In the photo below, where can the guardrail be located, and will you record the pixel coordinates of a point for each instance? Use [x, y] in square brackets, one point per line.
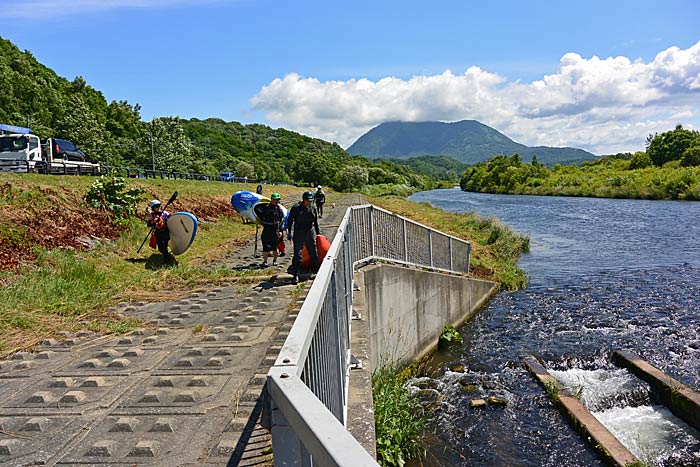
[308, 384]
[43, 167]
[77, 168]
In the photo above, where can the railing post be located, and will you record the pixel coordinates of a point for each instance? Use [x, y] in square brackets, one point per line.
[449, 247]
[405, 240]
[469, 255]
[284, 439]
[430, 246]
[371, 230]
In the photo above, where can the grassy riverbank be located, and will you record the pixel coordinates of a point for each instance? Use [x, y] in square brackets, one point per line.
[63, 264]
[608, 177]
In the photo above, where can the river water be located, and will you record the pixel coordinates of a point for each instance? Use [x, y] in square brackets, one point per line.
[603, 275]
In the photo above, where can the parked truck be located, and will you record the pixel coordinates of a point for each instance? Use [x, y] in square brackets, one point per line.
[24, 152]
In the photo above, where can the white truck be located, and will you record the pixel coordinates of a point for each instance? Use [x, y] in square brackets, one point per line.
[25, 152]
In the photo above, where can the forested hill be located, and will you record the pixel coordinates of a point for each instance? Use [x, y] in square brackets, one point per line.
[439, 167]
[468, 141]
[32, 95]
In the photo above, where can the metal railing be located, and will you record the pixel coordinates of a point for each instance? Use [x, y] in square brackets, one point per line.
[58, 167]
[308, 384]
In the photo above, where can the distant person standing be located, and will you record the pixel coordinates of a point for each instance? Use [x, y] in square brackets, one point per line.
[320, 198]
[158, 221]
[272, 219]
[300, 222]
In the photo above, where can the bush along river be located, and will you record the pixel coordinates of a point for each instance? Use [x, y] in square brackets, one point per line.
[604, 274]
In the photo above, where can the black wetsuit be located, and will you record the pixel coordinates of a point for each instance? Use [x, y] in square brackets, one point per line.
[320, 198]
[271, 217]
[303, 222]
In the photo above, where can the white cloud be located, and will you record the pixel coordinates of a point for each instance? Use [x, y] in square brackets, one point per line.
[603, 105]
[44, 8]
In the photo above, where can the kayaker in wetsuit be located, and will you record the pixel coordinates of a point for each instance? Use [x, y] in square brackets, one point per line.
[158, 220]
[272, 219]
[302, 228]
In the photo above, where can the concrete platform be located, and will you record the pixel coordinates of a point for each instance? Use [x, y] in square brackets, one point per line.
[184, 392]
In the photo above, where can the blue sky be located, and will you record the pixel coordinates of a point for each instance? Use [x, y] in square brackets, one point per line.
[600, 75]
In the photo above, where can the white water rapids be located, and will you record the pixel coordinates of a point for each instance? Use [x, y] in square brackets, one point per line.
[622, 403]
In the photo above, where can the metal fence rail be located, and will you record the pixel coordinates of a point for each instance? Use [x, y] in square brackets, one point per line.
[308, 385]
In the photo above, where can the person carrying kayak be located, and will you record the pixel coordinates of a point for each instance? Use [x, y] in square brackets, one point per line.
[272, 219]
[302, 228]
[158, 221]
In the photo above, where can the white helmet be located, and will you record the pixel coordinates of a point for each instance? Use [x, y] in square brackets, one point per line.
[154, 203]
[318, 187]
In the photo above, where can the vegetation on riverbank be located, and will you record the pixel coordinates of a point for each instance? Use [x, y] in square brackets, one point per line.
[668, 169]
[399, 418]
[63, 264]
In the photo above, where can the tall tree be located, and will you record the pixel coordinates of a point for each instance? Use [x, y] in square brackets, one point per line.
[670, 145]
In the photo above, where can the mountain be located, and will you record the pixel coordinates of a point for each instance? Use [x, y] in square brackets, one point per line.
[468, 141]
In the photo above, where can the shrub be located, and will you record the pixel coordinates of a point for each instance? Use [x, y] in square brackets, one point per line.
[112, 195]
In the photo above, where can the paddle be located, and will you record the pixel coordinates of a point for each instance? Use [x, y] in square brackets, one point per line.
[150, 232]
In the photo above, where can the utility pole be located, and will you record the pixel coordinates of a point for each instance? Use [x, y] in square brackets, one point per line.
[153, 157]
[206, 140]
[255, 155]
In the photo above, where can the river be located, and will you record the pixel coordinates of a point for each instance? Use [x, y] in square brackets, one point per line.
[603, 274]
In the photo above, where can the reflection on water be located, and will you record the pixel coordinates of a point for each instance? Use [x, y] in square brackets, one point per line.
[604, 275]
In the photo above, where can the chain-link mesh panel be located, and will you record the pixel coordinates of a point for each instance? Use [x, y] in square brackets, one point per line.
[418, 244]
[381, 234]
[361, 226]
[324, 368]
[460, 256]
[388, 235]
[441, 250]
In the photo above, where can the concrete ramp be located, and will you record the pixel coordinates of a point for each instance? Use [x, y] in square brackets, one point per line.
[606, 445]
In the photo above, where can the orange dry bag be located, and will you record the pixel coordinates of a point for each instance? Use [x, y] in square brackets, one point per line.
[322, 247]
[152, 242]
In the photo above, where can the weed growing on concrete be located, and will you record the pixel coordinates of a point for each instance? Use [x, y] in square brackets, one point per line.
[399, 419]
[552, 388]
[449, 337]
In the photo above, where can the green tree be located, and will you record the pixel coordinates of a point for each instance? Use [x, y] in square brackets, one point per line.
[172, 149]
[640, 160]
[244, 169]
[670, 145]
[691, 156]
[80, 126]
[353, 177]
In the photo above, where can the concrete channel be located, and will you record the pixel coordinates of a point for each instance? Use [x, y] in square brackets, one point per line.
[682, 401]
[608, 447]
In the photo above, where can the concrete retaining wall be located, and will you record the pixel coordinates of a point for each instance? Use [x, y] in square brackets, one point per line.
[408, 308]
